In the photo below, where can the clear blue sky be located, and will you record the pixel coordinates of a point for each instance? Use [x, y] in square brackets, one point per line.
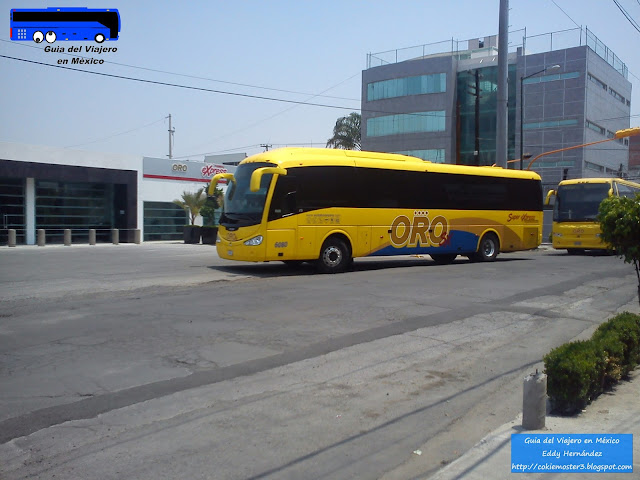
[293, 46]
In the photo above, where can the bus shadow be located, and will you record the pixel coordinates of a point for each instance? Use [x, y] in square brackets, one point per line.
[276, 269]
[585, 253]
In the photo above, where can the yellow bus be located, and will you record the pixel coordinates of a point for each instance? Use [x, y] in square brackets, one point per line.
[575, 227]
[330, 206]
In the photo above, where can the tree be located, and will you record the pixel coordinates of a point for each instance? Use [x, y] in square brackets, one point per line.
[192, 203]
[619, 219]
[346, 133]
[213, 203]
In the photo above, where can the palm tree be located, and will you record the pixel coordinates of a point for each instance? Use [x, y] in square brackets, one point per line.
[192, 203]
[346, 133]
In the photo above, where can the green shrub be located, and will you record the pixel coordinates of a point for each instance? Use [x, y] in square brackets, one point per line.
[577, 372]
[625, 330]
[574, 375]
[613, 349]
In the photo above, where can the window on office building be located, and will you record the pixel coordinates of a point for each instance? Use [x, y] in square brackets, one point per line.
[594, 166]
[417, 122]
[400, 87]
[596, 128]
[550, 124]
[596, 81]
[552, 78]
[616, 95]
[435, 155]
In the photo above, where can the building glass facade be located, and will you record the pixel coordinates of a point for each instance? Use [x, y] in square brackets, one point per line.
[477, 132]
[163, 221]
[12, 208]
[417, 122]
[414, 85]
[75, 206]
[435, 155]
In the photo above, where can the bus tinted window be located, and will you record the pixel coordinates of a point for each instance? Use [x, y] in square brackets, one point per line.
[580, 201]
[325, 187]
[627, 191]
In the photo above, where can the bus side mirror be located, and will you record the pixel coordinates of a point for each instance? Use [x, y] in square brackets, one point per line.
[215, 179]
[256, 176]
[550, 193]
[610, 192]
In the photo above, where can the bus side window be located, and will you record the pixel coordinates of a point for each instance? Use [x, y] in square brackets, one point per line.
[625, 191]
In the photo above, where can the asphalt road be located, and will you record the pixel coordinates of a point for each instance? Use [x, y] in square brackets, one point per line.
[163, 361]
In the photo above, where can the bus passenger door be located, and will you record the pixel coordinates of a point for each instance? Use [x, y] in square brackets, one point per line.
[281, 241]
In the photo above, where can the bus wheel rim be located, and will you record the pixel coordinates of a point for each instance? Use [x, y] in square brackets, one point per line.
[488, 248]
[332, 256]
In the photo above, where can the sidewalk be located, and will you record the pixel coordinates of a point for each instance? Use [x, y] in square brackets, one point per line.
[612, 413]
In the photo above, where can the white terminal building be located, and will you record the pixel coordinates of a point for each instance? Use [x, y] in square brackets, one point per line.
[56, 189]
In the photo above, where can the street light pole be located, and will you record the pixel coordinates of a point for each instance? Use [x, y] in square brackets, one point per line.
[522, 79]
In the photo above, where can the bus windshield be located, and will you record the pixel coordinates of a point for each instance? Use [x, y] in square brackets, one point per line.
[242, 207]
[579, 202]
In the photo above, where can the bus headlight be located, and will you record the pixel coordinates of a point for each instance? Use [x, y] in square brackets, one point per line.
[253, 242]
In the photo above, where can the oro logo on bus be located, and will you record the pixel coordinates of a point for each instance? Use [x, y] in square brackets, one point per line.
[419, 230]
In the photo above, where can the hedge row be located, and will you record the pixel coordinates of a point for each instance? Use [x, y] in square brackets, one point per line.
[577, 372]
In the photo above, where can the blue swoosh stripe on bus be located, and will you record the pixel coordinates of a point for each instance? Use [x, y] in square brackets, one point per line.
[459, 241]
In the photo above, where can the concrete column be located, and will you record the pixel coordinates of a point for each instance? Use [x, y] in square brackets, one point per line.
[41, 237]
[534, 401]
[30, 211]
[92, 236]
[115, 236]
[67, 237]
[137, 236]
[12, 237]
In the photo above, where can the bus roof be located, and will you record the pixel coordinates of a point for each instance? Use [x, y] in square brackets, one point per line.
[607, 180]
[296, 157]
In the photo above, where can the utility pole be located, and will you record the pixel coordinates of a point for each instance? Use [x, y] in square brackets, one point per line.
[503, 87]
[171, 131]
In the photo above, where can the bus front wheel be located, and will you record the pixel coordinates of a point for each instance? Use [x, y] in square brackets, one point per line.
[488, 249]
[99, 38]
[335, 256]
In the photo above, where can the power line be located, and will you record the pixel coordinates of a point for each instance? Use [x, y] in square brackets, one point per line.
[187, 75]
[177, 85]
[259, 97]
[265, 119]
[116, 134]
[568, 16]
[633, 23]
[223, 92]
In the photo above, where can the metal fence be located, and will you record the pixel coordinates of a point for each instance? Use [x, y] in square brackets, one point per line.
[530, 44]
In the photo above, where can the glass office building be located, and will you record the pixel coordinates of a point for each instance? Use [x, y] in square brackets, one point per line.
[438, 102]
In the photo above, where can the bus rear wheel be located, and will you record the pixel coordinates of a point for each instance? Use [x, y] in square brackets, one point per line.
[335, 256]
[488, 249]
[443, 258]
